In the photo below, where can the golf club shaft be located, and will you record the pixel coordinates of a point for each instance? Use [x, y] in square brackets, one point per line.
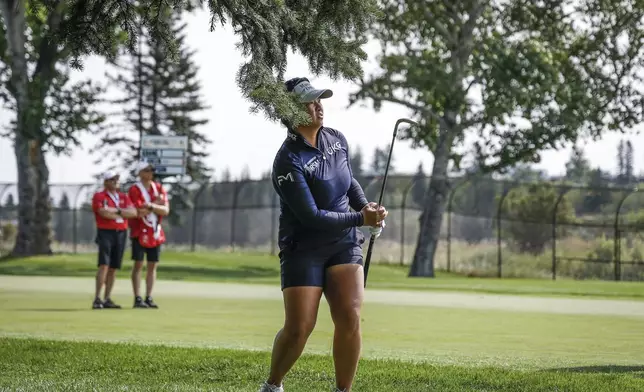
[372, 240]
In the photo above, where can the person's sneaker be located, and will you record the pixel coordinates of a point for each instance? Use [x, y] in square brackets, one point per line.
[97, 304]
[109, 304]
[266, 387]
[150, 302]
[138, 303]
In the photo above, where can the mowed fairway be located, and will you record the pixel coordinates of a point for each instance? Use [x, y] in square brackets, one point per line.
[215, 336]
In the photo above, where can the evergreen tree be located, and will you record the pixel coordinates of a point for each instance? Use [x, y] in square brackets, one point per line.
[63, 225]
[597, 195]
[8, 210]
[628, 164]
[161, 97]
[419, 186]
[10, 203]
[379, 161]
[225, 175]
[245, 173]
[357, 162]
[266, 175]
[621, 169]
[577, 167]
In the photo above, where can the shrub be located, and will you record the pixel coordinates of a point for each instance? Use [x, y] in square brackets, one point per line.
[528, 212]
[8, 231]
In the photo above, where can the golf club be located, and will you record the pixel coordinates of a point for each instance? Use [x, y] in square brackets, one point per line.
[382, 191]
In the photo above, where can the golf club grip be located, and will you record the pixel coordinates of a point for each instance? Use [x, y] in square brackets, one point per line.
[368, 259]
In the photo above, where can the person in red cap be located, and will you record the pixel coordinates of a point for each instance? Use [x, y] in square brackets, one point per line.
[146, 233]
[111, 208]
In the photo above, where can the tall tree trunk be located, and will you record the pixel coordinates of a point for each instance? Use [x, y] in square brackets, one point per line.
[13, 12]
[25, 238]
[433, 211]
[42, 218]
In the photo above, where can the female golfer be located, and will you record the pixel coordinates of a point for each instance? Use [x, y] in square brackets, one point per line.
[320, 245]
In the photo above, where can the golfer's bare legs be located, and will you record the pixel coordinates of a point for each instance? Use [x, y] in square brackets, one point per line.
[345, 293]
[301, 306]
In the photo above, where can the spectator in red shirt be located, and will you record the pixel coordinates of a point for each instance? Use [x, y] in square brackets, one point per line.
[151, 201]
[111, 208]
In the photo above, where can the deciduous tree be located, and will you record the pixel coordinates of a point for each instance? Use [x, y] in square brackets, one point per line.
[519, 76]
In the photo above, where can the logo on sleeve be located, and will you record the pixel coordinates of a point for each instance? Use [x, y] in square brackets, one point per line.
[281, 179]
[332, 149]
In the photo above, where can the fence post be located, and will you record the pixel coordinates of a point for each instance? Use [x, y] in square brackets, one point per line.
[498, 231]
[74, 219]
[193, 235]
[562, 193]
[402, 219]
[2, 192]
[617, 240]
[233, 216]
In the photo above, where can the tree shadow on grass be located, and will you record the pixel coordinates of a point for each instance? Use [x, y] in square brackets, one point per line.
[638, 370]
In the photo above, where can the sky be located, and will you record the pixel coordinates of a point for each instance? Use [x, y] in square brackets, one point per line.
[240, 138]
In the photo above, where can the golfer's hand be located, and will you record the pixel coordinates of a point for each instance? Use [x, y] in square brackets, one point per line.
[373, 217]
[382, 213]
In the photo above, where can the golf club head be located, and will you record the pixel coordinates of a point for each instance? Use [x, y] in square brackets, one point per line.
[401, 121]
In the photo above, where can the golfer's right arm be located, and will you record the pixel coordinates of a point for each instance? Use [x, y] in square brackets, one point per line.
[291, 185]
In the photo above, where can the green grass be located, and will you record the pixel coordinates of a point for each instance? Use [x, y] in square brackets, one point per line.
[52, 341]
[434, 334]
[262, 268]
[46, 366]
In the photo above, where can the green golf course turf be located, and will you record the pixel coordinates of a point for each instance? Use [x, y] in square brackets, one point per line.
[35, 365]
[261, 268]
[206, 338]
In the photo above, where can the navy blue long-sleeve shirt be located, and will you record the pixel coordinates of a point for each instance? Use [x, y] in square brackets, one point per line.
[316, 188]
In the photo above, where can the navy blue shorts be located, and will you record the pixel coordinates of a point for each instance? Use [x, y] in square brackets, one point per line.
[111, 246]
[139, 253]
[303, 267]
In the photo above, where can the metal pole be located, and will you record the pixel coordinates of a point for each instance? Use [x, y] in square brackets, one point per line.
[193, 239]
[402, 220]
[498, 232]
[617, 254]
[554, 232]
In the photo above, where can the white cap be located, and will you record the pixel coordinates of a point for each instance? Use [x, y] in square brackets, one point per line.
[108, 175]
[141, 165]
[307, 93]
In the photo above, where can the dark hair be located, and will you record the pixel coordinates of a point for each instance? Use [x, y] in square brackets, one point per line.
[290, 86]
[291, 83]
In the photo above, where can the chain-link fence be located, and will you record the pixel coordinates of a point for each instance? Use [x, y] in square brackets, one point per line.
[491, 228]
